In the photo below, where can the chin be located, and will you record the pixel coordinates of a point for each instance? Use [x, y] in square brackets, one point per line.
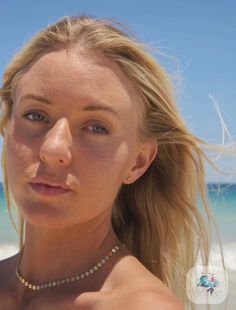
[42, 215]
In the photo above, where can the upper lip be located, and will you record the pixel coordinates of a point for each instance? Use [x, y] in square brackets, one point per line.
[50, 183]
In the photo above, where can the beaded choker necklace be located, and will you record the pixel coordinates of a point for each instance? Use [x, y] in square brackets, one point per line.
[81, 276]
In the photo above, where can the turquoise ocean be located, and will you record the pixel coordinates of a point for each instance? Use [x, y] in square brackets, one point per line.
[223, 204]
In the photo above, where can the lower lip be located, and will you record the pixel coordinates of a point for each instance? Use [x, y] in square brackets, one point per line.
[47, 190]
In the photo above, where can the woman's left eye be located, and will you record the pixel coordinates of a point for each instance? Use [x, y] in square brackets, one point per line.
[98, 129]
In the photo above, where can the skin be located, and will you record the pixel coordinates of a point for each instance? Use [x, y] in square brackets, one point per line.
[64, 142]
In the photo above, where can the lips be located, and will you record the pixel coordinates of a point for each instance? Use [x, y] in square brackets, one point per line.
[49, 188]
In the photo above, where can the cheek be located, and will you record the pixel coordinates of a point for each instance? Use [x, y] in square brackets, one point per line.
[18, 155]
[108, 163]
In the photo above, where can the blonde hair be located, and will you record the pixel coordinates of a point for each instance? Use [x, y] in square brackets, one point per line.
[158, 216]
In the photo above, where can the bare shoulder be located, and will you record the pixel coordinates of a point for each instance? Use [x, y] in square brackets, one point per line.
[7, 267]
[128, 299]
[134, 288]
[153, 299]
[129, 286]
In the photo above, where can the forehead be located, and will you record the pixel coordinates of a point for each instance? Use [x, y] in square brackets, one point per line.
[68, 75]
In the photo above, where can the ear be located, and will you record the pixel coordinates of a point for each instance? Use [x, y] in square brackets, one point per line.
[143, 160]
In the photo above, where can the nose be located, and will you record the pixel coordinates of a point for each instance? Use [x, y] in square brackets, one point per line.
[56, 148]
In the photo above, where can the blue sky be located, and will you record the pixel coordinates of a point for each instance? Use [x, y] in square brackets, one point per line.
[197, 37]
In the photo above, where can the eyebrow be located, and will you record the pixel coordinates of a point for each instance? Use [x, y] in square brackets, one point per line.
[94, 107]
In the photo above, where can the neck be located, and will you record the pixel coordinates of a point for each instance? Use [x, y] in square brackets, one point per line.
[50, 255]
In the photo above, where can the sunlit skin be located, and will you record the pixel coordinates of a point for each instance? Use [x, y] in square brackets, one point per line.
[53, 134]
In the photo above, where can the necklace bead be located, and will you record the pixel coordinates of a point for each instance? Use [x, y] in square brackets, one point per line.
[83, 275]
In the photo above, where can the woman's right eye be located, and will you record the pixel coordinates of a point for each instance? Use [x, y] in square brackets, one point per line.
[36, 117]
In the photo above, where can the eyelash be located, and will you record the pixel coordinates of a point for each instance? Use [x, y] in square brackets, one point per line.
[95, 124]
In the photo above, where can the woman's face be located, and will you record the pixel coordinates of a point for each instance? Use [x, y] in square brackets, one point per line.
[74, 123]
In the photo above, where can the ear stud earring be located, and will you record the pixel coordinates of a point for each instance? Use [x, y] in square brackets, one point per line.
[129, 178]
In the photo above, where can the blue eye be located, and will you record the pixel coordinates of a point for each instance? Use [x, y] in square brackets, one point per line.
[36, 117]
[98, 129]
